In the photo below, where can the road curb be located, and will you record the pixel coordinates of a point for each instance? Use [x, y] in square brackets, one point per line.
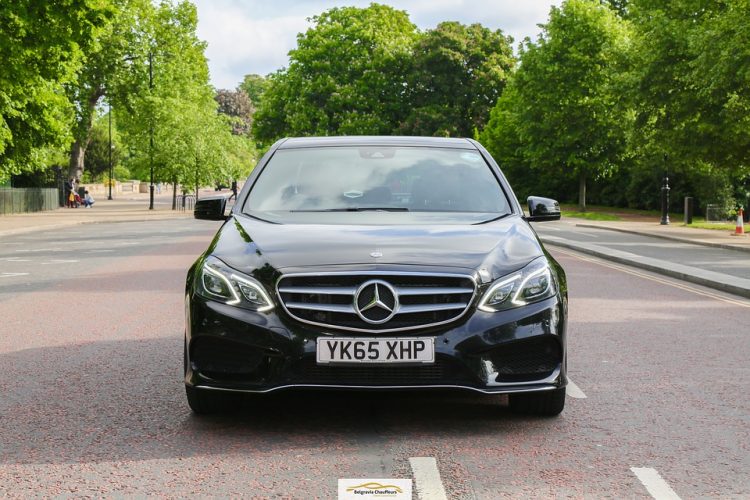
[672, 273]
[670, 237]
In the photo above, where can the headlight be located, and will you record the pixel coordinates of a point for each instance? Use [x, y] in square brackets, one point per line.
[531, 284]
[219, 282]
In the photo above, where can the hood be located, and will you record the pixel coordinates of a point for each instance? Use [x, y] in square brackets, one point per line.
[496, 248]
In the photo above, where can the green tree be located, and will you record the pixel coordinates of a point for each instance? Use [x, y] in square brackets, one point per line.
[619, 6]
[107, 71]
[690, 94]
[254, 86]
[173, 103]
[457, 75]
[720, 75]
[564, 105]
[42, 46]
[236, 105]
[97, 152]
[660, 91]
[346, 76]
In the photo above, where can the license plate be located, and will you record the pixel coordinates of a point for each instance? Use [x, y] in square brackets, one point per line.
[375, 350]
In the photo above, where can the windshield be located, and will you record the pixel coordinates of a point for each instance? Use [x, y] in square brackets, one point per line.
[387, 179]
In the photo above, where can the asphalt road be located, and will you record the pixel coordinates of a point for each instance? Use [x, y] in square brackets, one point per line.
[92, 404]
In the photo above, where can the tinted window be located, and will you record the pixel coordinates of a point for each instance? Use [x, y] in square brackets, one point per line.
[390, 178]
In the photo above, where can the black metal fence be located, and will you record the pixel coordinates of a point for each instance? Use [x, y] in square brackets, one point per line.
[187, 202]
[21, 200]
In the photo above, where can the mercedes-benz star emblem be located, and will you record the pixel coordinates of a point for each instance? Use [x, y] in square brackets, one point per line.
[376, 302]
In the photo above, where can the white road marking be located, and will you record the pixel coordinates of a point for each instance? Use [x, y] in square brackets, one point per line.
[427, 478]
[60, 261]
[99, 251]
[574, 391]
[656, 486]
[31, 250]
[10, 275]
[14, 259]
[664, 281]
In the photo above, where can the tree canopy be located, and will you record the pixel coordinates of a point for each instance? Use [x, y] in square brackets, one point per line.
[564, 99]
[370, 71]
[144, 59]
[346, 76]
[457, 74]
[42, 46]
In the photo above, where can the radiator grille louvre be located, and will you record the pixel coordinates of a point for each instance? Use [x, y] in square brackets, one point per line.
[422, 300]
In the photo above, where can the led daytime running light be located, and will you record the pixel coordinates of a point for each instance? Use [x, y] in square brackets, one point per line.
[261, 293]
[521, 288]
[239, 290]
[235, 298]
[518, 283]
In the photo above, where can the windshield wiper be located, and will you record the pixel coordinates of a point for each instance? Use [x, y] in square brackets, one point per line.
[501, 216]
[358, 209]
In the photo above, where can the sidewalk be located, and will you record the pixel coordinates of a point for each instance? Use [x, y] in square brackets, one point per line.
[674, 231]
[127, 207]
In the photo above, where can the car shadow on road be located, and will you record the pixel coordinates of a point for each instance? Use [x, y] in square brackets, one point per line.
[124, 401]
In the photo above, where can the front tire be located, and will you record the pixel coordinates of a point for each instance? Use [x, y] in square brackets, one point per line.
[546, 404]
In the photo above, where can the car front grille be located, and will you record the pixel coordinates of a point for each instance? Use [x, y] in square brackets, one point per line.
[331, 300]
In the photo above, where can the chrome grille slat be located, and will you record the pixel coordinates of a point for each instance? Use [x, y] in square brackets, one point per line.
[427, 290]
[323, 290]
[321, 307]
[429, 308]
[328, 299]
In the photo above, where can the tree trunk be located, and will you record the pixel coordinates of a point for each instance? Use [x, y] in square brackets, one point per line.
[174, 194]
[582, 191]
[77, 154]
[83, 134]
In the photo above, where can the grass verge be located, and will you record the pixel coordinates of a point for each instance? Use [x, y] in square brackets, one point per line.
[721, 226]
[590, 215]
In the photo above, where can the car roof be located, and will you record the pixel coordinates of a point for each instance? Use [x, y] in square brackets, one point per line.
[365, 140]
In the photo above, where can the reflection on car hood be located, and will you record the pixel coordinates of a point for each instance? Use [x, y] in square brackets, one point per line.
[498, 247]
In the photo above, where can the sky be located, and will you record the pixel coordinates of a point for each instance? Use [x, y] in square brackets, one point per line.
[254, 36]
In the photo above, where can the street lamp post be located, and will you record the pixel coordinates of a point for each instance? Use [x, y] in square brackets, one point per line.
[665, 195]
[110, 152]
[151, 131]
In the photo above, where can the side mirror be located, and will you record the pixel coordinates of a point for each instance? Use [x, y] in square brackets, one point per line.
[211, 208]
[542, 209]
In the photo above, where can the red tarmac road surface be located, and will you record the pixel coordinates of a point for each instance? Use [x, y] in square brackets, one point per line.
[92, 403]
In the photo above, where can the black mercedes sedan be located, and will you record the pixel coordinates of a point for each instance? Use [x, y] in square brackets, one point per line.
[376, 263]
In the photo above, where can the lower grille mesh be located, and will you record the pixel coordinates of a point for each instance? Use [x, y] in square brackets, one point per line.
[440, 372]
[526, 359]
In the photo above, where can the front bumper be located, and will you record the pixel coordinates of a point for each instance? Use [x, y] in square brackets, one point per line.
[235, 349]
